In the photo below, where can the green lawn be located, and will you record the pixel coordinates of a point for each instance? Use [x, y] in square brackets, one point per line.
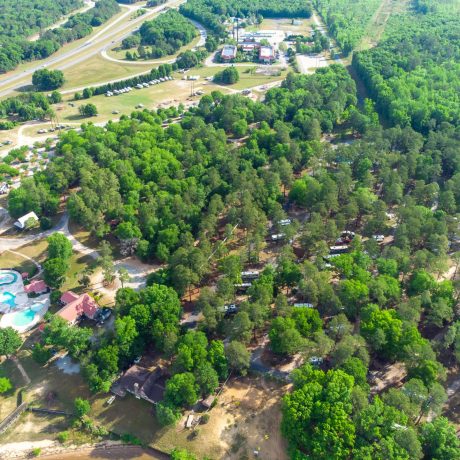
[98, 70]
[16, 262]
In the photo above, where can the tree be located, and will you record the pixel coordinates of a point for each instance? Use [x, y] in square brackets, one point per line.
[45, 80]
[5, 385]
[357, 369]
[88, 110]
[216, 356]
[439, 440]
[59, 247]
[125, 335]
[316, 415]
[167, 414]
[181, 390]
[353, 294]
[182, 454]
[284, 337]
[206, 378]
[383, 330]
[238, 357]
[228, 76]
[54, 272]
[241, 327]
[10, 341]
[123, 276]
[81, 407]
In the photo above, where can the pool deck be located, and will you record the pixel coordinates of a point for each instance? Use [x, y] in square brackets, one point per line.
[12, 289]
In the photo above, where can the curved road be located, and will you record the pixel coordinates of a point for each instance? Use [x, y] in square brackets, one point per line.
[93, 46]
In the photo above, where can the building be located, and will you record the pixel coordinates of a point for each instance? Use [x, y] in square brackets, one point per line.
[36, 287]
[22, 222]
[267, 54]
[77, 306]
[142, 383]
[4, 188]
[228, 52]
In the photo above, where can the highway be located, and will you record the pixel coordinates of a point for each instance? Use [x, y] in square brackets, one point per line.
[114, 31]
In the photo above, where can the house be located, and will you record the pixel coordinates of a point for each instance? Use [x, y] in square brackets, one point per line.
[77, 306]
[228, 52]
[142, 383]
[36, 287]
[266, 54]
[24, 221]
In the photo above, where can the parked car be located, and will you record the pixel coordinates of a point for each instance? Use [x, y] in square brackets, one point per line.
[104, 314]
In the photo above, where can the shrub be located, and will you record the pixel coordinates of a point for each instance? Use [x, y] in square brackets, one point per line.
[63, 436]
[5, 385]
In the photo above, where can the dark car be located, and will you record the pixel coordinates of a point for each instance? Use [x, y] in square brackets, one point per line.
[103, 314]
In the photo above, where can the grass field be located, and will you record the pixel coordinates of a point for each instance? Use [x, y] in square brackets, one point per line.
[99, 70]
[16, 262]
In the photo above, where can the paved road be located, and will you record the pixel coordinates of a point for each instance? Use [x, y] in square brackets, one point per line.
[120, 28]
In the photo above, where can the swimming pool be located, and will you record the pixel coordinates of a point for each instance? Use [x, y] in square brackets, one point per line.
[8, 298]
[7, 277]
[23, 318]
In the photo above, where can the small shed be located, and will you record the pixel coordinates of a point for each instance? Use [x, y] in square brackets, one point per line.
[22, 221]
[208, 402]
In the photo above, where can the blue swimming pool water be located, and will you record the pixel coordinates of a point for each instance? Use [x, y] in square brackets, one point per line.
[8, 298]
[36, 307]
[7, 278]
[23, 318]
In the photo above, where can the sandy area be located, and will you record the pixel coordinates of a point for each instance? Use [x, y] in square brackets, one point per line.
[245, 419]
[308, 63]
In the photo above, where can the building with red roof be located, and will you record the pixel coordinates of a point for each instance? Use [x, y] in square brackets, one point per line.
[267, 54]
[76, 306]
[36, 287]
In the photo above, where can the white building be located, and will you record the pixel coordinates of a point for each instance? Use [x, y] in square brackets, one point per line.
[22, 221]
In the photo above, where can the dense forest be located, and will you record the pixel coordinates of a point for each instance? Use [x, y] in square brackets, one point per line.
[346, 20]
[358, 281]
[14, 46]
[21, 18]
[211, 13]
[161, 36]
[167, 194]
[413, 74]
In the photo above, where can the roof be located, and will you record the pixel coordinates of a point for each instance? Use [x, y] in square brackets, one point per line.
[21, 222]
[83, 305]
[141, 382]
[36, 287]
[208, 401]
[229, 51]
[68, 297]
[266, 52]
